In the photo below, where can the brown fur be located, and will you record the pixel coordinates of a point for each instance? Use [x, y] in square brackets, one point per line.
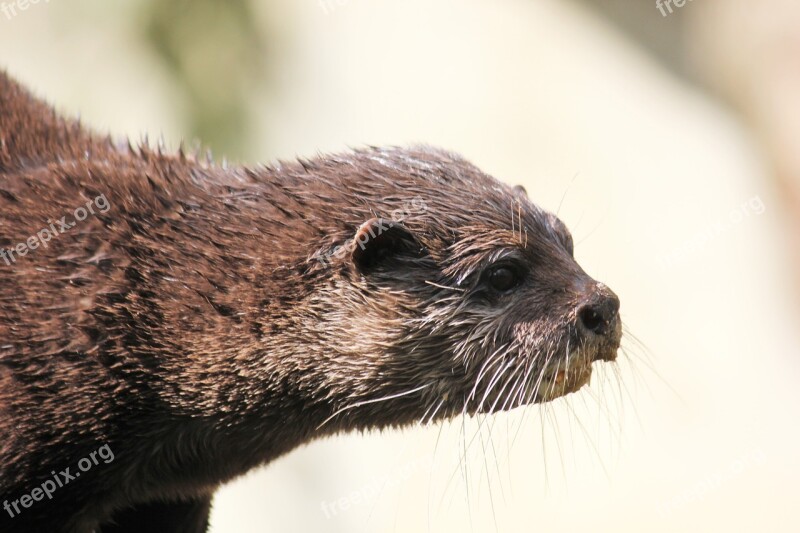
[204, 325]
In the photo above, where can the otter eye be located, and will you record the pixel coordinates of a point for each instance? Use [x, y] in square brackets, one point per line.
[503, 278]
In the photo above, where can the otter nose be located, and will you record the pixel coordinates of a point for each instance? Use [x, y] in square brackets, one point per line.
[599, 313]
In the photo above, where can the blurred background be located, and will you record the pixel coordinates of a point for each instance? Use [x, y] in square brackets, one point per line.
[664, 133]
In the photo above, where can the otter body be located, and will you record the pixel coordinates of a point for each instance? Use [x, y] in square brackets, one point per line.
[167, 324]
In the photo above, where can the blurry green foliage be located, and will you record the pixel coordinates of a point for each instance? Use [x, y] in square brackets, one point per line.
[214, 50]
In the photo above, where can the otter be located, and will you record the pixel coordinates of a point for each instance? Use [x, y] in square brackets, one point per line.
[168, 323]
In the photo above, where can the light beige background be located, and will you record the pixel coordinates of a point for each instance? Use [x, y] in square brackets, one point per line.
[701, 431]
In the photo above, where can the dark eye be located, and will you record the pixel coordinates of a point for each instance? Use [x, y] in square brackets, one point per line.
[503, 278]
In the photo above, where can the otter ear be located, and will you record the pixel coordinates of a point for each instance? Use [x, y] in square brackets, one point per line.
[380, 239]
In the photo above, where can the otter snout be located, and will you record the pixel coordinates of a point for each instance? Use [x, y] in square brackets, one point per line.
[598, 320]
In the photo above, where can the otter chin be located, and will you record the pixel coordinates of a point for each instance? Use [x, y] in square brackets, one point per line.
[205, 319]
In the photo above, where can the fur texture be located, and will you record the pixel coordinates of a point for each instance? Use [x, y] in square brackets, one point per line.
[206, 322]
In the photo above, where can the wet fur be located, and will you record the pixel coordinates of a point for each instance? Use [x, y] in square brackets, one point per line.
[194, 329]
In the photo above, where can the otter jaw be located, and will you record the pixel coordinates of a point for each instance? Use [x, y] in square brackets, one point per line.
[570, 375]
[557, 382]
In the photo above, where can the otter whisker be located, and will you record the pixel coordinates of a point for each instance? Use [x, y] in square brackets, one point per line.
[509, 403]
[563, 196]
[552, 388]
[430, 477]
[623, 388]
[494, 381]
[512, 217]
[628, 334]
[431, 406]
[557, 433]
[535, 381]
[433, 415]
[645, 358]
[620, 408]
[524, 384]
[542, 415]
[465, 448]
[377, 400]
[463, 461]
[488, 477]
[500, 392]
[589, 439]
[493, 359]
[637, 372]
[619, 388]
[531, 391]
[525, 399]
[445, 287]
[602, 406]
[542, 374]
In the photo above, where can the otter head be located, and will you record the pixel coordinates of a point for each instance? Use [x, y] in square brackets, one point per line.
[459, 295]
